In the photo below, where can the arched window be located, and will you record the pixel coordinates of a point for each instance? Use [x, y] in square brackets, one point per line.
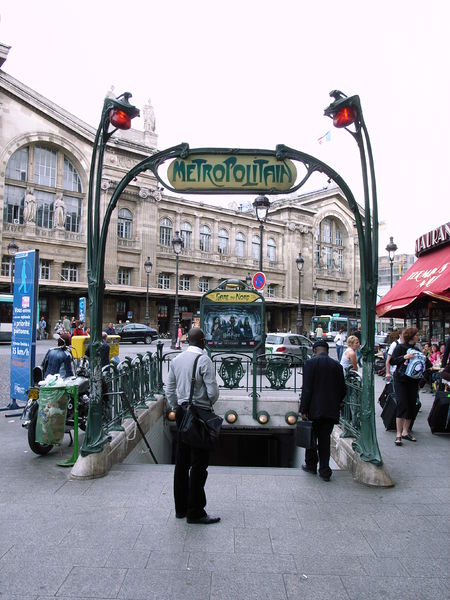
[165, 232]
[240, 244]
[329, 245]
[186, 235]
[125, 224]
[223, 245]
[205, 238]
[34, 176]
[271, 250]
[255, 247]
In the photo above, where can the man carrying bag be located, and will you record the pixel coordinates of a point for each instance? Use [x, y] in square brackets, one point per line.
[323, 393]
[191, 463]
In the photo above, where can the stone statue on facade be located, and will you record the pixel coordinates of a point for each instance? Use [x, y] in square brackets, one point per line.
[60, 211]
[29, 211]
[149, 117]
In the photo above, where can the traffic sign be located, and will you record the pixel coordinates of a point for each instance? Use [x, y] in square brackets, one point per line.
[259, 280]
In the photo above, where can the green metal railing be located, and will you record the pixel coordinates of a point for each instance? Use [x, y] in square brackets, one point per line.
[138, 378]
[350, 419]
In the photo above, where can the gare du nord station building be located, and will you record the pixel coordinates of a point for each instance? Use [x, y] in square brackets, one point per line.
[45, 155]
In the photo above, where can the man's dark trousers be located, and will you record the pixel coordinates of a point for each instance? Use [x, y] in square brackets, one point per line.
[321, 431]
[189, 487]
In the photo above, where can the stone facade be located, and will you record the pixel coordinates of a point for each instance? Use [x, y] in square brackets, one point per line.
[47, 149]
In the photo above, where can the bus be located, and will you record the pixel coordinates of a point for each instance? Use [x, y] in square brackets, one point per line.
[6, 312]
[331, 325]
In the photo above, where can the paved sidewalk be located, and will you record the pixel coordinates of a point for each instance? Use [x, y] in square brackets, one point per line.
[284, 534]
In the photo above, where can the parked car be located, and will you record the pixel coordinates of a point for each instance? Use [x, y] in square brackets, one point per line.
[137, 332]
[288, 343]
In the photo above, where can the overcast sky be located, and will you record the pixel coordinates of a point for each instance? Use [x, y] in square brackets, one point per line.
[256, 73]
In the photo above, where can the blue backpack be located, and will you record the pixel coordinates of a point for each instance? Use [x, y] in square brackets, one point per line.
[416, 366]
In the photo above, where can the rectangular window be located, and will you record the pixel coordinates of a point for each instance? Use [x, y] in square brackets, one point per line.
[44, 269]
[328, 295]
[339, 259]
[45, 167]
[163, 311]
[6, 266]
[164, 281]
[326, 231]
[327, 256]
[338, 241]
[45, 209]
[71, 179]
[124, 228]
[240, 248]
[185, 283]
[205, 242]
[13, 207]
[17, 167]
[124, 276]
[67, 306]
[186, 236]
[340, 297]
[255, 248]
[165, 235]
[317, 255]
[203, 284]
[69, 272]
[271, 291]
[73, 214]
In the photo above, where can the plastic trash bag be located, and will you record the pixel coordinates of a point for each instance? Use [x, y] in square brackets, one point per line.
[52, 412]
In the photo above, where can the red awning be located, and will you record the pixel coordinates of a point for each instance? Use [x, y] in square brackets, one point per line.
[428, 277]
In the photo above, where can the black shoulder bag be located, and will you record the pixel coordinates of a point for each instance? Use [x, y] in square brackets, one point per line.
[200, 428]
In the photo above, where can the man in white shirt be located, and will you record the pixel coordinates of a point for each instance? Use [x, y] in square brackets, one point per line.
[191, 464]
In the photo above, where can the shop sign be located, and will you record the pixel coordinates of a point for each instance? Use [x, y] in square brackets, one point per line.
[433, 239]
[234, 172]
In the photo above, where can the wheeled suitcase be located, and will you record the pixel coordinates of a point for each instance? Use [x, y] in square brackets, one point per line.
[389, 413]
[439, 417]
[388, 389]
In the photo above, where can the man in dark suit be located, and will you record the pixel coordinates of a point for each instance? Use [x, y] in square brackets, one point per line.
[323, 393]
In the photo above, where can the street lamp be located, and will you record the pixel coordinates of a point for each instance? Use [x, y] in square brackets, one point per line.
[177, 244]
[315, 295]
[390, 249]
[356, 294]
[261, 205]
[248, 279]
[300, 261]
[148, 269]
[13, 249]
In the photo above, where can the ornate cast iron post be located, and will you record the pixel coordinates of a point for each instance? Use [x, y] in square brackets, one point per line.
[177, 243]
[346, 111]
[299, 261]
[117, 112]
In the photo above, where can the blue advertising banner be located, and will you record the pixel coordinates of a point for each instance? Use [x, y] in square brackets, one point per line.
[23, 338]
[82, 310]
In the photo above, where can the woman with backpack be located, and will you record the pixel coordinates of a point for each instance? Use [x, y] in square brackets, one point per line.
[406, 386]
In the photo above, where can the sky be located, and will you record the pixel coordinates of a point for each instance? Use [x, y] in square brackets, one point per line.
[257, 73]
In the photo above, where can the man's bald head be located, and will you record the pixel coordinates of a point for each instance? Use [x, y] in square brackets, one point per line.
[196, 337]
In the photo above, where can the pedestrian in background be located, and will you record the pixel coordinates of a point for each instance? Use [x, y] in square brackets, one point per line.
[191, 464]
[323, 394]
[349, 358]
[406, 388]
[339, 340]
[79, 329]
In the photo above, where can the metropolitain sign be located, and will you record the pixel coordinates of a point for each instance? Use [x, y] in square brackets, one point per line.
[210, 172]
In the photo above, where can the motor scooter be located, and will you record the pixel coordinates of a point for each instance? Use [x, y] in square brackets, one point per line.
[77, 389]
